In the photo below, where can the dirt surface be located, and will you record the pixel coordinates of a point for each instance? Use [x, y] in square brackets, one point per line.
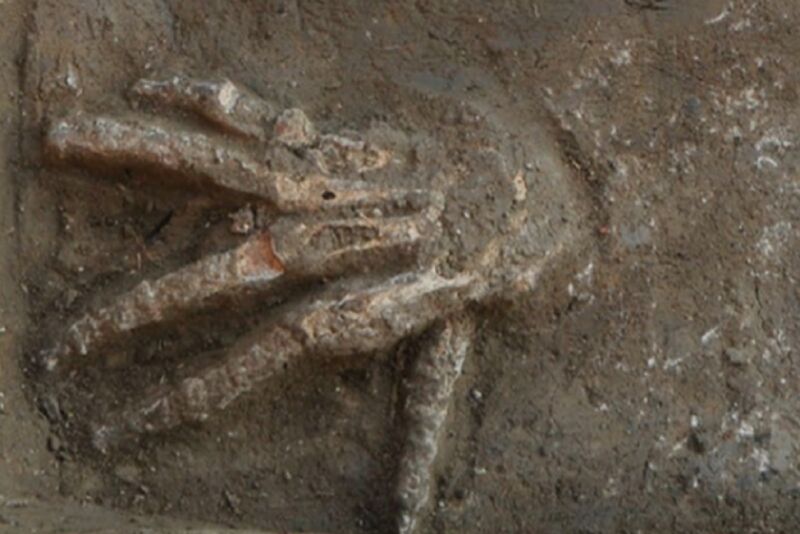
[647, 383]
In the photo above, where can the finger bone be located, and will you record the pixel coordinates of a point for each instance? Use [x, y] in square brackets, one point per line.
[220, 102]
[250, 266]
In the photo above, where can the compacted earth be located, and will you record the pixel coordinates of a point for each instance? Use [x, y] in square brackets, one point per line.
[643, 381]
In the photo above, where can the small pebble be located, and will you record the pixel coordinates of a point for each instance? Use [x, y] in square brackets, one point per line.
[70, 296]
[53, 443]
[232, 501]
[736, 356]
[51, 409]
[242, 221]
[72, 80]
[128, 473]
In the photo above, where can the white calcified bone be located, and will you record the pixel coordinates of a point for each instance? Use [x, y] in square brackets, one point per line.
[199, 159]
[344, 319]
[221, 102]
[360, 322]
[298, 251]
[431, 384]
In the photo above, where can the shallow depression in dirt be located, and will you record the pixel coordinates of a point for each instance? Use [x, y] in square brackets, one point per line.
[620, 175]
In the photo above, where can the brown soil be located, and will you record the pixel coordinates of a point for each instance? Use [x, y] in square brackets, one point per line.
[648, 382]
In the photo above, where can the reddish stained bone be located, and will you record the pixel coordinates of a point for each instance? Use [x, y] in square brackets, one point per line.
[360, 323]
[220, 102]
[345, 321]
[301, 251]
[195, 157]
[252, 265]
[258, 257]
[237, 110]
[130, 143]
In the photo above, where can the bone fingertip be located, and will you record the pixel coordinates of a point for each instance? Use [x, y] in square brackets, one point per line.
[57, 139]
[294, 129]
